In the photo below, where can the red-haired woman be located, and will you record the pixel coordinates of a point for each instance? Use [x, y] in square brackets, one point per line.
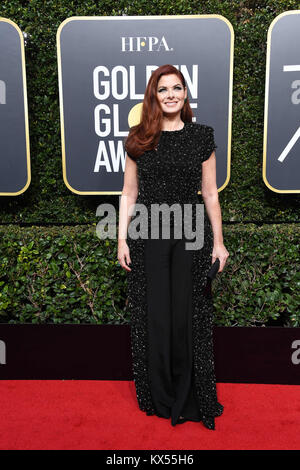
[168, 156]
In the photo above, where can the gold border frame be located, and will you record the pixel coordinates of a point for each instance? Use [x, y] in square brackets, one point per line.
[25, 109]
[267, 80]
[158, 17]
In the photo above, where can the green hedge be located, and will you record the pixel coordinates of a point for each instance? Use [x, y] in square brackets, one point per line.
[69, 275]
[59, 275]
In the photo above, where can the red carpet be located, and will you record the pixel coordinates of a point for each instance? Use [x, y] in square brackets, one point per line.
[88, 414]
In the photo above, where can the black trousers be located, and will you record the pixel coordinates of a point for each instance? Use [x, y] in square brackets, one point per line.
[168, 268]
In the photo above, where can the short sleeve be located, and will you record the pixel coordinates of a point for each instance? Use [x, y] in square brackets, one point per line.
[209, 144]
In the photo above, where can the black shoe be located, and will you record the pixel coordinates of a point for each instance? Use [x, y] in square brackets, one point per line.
[181, 420]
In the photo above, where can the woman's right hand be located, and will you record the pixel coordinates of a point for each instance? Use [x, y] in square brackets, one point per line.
[123, 255]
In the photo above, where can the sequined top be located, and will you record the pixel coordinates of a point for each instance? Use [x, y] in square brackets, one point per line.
[172, 172]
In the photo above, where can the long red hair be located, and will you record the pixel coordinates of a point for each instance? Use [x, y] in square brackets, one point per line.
[145, 135]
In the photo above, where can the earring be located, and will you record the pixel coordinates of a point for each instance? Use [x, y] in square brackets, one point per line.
[185, 99]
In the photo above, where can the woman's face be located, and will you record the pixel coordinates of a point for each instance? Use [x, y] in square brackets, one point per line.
[171, 94]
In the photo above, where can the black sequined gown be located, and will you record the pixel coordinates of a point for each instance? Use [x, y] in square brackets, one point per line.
[172, 174]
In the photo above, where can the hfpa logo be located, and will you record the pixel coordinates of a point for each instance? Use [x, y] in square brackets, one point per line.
[2, 352]
[144, 43]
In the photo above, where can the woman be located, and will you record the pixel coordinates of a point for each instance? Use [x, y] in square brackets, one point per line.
[171, 312]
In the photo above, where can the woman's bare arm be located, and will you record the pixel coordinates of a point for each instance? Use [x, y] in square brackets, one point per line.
[209, 192]
[128, 199]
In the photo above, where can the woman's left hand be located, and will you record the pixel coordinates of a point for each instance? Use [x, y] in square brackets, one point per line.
[219, 251]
